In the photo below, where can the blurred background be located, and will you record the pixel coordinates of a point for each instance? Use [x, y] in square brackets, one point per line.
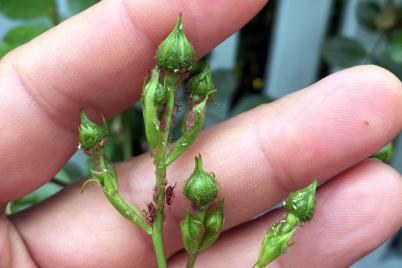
[289, 45]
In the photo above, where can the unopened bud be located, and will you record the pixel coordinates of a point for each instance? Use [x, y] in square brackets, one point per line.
[191, 230]
[302, 203]
[201, 85]
[214, 219]
[201, 188]
[150, 110]
[175, 53]
[91, 134]
[273, 247]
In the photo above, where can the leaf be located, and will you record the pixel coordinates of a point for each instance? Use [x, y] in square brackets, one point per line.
[366, 13]
[4, 49]
[26, 9]
[33, 198]
[76, 6]
[385, 154]
[394, 48]
[23, 34]
[248, 102]
[343, 52]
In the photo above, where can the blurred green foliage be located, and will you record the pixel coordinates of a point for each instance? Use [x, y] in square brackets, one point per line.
[383, 18]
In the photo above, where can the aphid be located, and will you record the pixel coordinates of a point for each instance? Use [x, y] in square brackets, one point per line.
[169, 193]
[151, 211]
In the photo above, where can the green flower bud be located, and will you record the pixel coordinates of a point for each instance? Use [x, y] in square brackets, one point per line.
[191, 230]
[214, 219]
[208, 240]
[302, 203]
[385, 154]
[175, 53]
[150, 111]
[201, 188]
[91, 134]
[201, 85]
[273, 247]
[160, 95]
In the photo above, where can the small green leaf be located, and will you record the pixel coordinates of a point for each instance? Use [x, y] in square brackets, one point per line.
[394, 48]
[343, 52]
[4, 49]
[23, 34]
[76, 6]
[366, 13]
[385, 153]
[26, 9]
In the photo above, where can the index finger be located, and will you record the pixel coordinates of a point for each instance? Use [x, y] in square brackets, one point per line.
[96, 60]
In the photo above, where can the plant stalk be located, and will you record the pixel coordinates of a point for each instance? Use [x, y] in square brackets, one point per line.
[161, 181]
[157, 232]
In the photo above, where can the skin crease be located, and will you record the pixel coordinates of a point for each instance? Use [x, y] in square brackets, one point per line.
[327, 135]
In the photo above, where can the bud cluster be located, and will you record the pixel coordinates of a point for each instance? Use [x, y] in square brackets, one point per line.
[202, 230]
[300, 206]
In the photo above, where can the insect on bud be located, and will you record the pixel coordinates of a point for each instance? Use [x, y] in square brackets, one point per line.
[91, 134]
[201, 188]
[175, 53]
[302, 203]
[191, 230]
[201, 85]
[214, 220]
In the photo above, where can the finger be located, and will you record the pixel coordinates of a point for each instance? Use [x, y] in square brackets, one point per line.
[258, 158]
[96, 60]
[356, 213]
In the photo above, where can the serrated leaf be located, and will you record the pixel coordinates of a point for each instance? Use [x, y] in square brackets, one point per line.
[26, 9]
[4, 49]
[76, 6]
[366, 13]
[248, 102]
[343, 52]
[394, 48]
[23, 34]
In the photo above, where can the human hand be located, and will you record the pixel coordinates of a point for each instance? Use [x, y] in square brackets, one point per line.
[97, 61]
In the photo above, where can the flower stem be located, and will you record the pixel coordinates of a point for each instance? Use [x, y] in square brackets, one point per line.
[191, 260]
[161, 181]
[157, 233]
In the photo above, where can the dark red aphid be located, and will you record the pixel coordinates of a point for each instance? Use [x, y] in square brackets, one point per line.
[169, 194]
[151, 211]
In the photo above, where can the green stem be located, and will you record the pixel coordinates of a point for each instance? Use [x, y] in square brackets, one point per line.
[257, 266]
[129, 211]
[191, 260]
[110, 189]
[157, 232]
